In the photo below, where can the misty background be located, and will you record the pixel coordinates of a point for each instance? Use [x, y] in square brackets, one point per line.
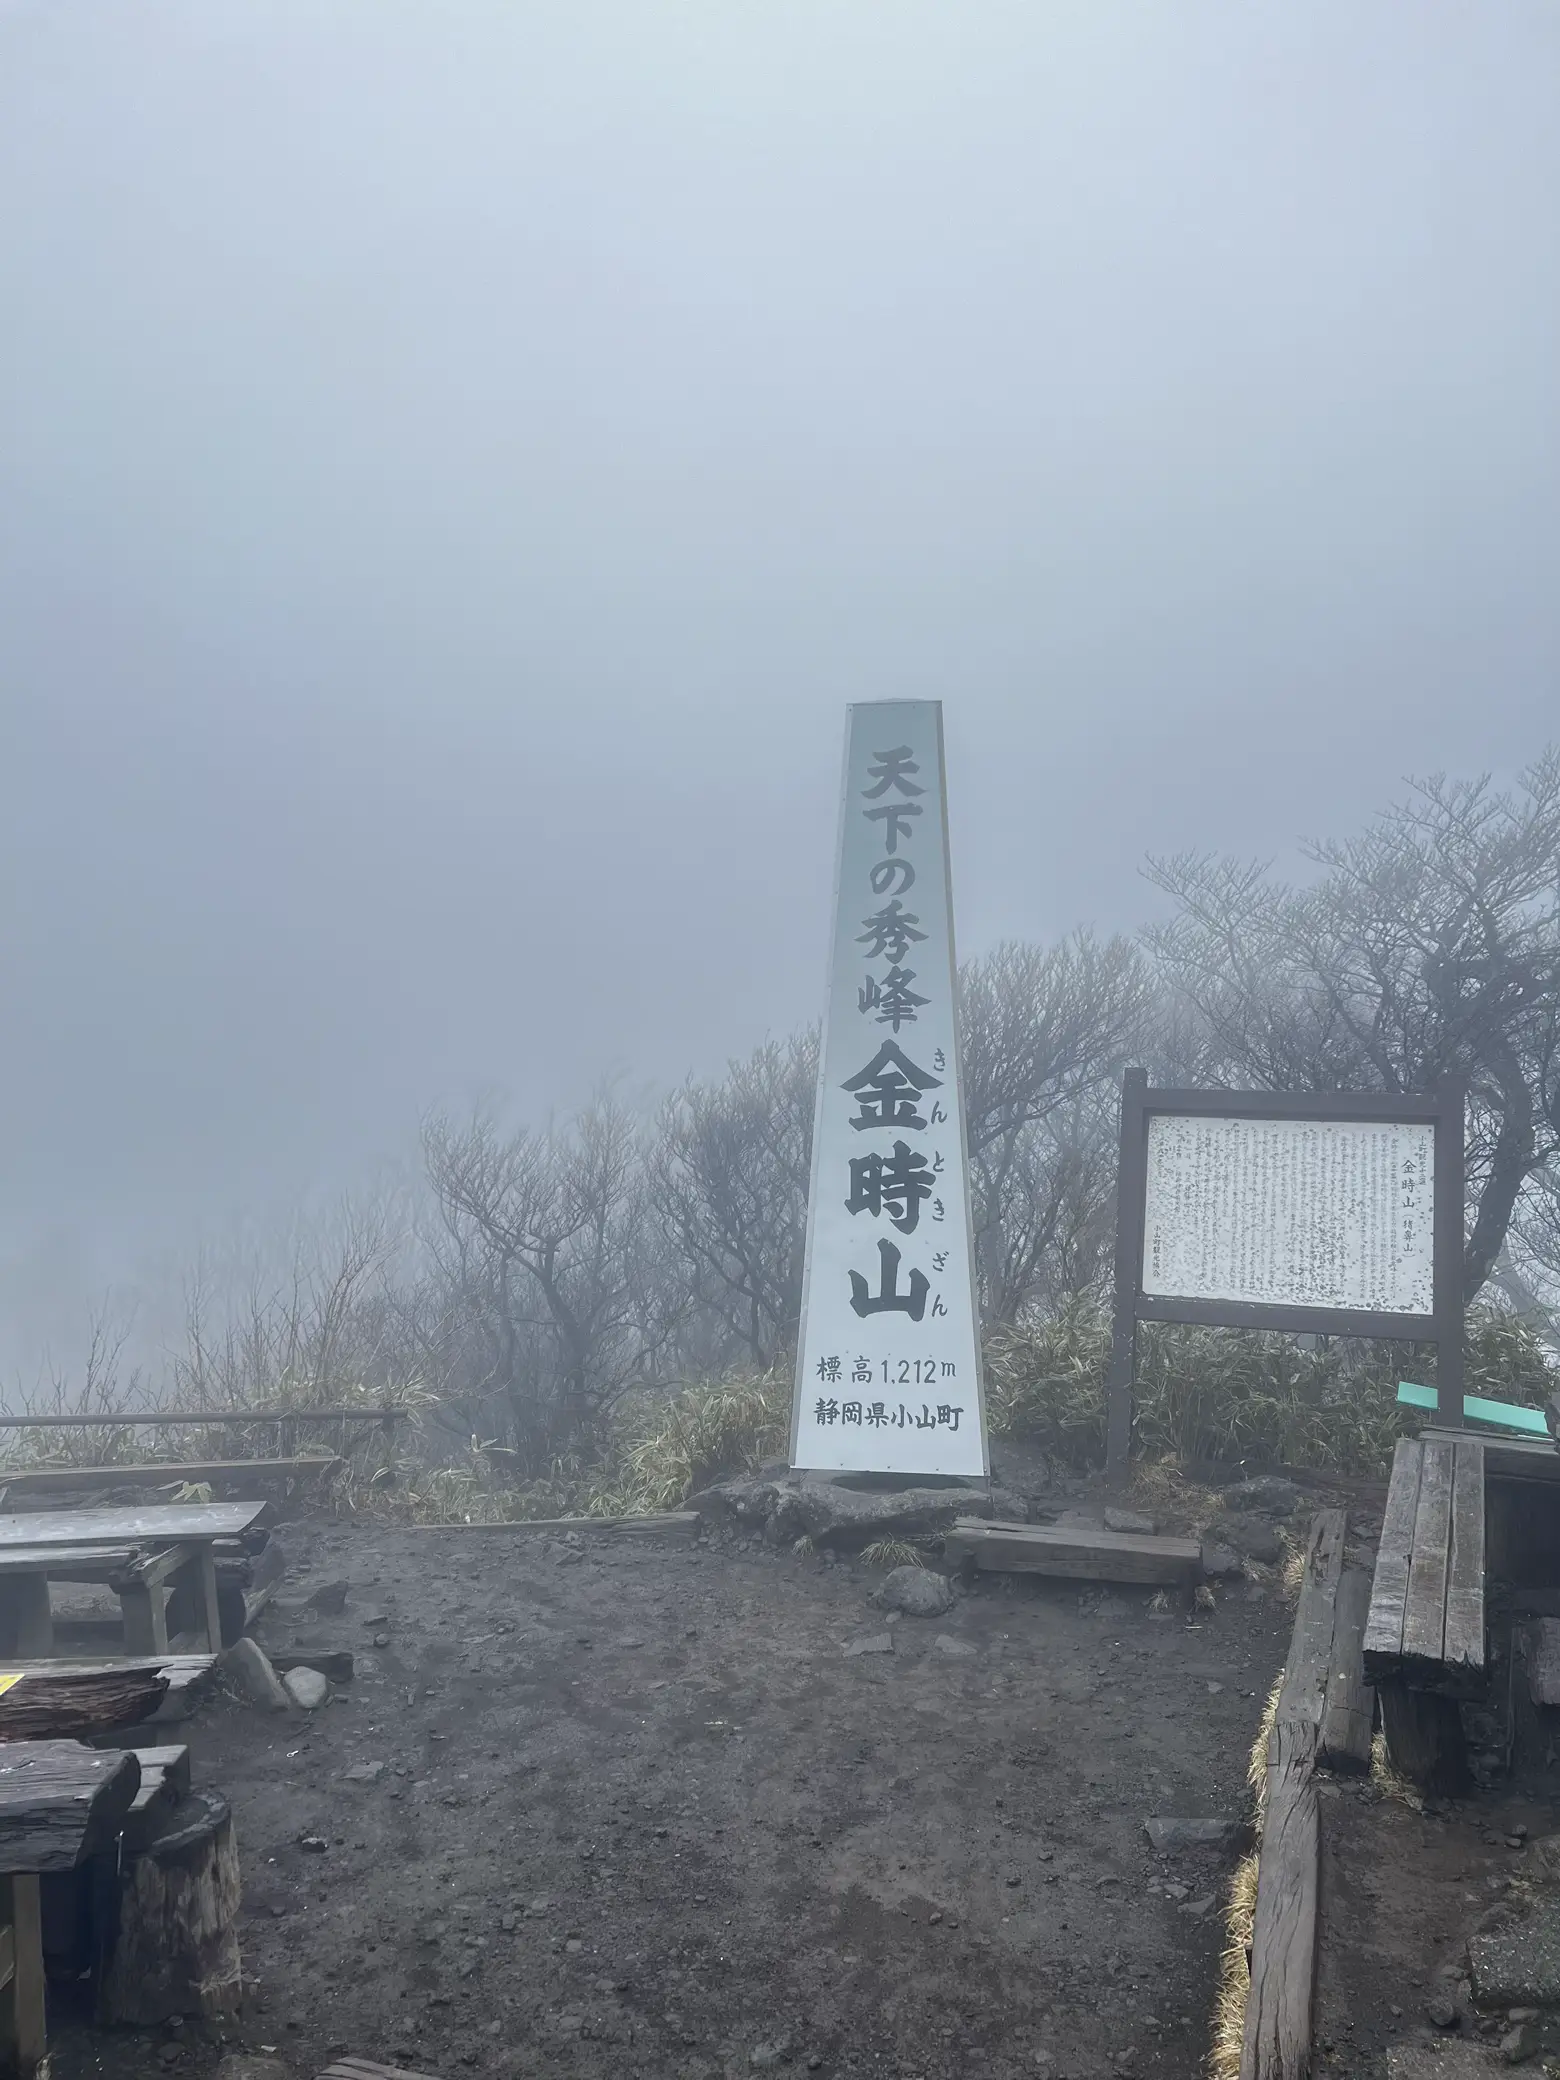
[456, 464]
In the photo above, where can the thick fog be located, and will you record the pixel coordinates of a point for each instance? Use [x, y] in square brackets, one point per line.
[456, 463]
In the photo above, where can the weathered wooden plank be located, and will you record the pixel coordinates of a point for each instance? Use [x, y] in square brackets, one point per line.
[78, 1527]
[67, 1563]
[335, 1663]
[1518, 1458]
[170, 1765]
[1283, 1938]
[1277, 2044]
[60, 1802]
[48, 1706]
[1424, 1614]
[1389, 1588]
[1077, 1551]
[1463, 1647]
[68, 1480]
[1349, 1718]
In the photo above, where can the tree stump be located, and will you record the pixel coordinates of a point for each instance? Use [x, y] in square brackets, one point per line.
[175, 1949]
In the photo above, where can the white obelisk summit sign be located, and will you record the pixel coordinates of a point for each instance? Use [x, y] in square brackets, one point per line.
[888, 1361]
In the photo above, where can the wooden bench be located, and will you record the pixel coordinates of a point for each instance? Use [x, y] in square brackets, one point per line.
[59, 1805]
[139, 1553]
[1425, 1634]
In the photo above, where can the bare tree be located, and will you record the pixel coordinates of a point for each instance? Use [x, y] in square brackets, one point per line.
[728, 1177]
[543, 1235]
[1429, 946]
[1043, 1030]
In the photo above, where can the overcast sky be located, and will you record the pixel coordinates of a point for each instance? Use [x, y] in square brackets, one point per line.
[458, 460]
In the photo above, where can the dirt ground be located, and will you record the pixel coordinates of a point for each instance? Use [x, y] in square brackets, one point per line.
[641, 1813]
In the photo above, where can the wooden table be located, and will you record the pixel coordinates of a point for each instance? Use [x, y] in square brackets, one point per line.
[59, 1804]
[138, 1553]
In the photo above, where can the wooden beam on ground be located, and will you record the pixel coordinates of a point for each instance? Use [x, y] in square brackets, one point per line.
[50, 1706]
[1277, 2044]
[1349, 1721]
[40, 1480]
[667, 1520]
[334, 1663]
[1076, 1551]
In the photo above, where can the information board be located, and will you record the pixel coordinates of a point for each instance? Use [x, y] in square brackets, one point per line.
[1291, 1213]
[1331, 1213]
[888, 1362]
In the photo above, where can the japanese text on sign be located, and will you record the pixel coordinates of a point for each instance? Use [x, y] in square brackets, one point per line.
[1290, 1213]
[889, 1302]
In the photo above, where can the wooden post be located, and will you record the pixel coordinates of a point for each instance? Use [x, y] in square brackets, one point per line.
[146, 1625]
[27, 1620]
[1447, 1254]
[1131, 1189]
[24, 2049]
[1349, 1721]
[202, 1577]
[176, 1948]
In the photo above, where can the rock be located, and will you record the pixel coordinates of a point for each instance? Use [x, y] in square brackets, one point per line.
[955, 1649]
[1518, 2045]
[1545, 1857]
[363, 1773]
[1169, 1837]
[306, 1687]
[1218, 1561]
[1441, 2013]
[246, 1666]
[1253, 1536]
[916, 1591]
[1269, 1494]
[330, 1598]
[1198, 1907]
[1520, 1962]
[371, 1618]
[1129, 1520]
[381, 1639]
[764, 2055]
[874, 1643]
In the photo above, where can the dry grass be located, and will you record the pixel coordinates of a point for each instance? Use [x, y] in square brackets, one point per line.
[1229, 2007]
[668, 1448]
[889, 1553]
[1256, 1766]
[1229, 2012]
[1388, 1781]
